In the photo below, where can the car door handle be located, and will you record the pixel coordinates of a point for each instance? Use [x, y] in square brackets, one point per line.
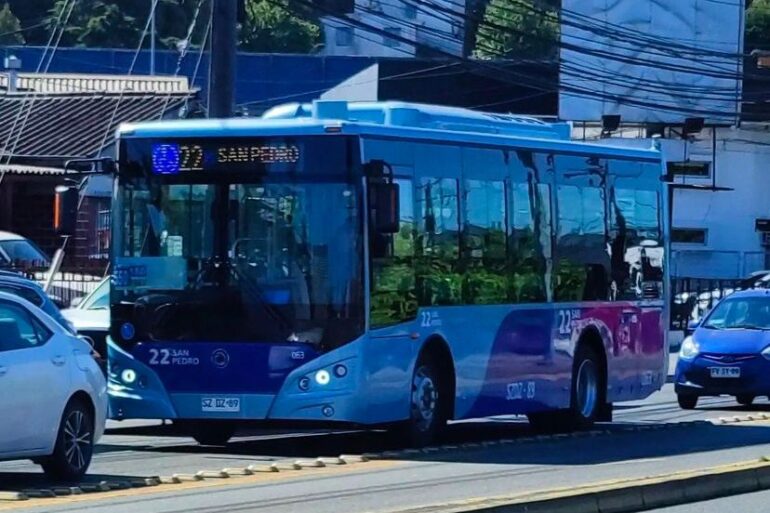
[58, 360]
[3, 371]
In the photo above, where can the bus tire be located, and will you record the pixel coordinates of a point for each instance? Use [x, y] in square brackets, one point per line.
[427, 415]
[211, 432]
[587, 398]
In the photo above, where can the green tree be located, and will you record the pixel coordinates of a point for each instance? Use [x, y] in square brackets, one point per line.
[114, 24]
[517, 29]
[10, 27]
[758, 26]
[270, 27]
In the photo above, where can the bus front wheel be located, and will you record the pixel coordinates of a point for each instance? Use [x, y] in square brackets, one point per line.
[427, 415]
[209, 432]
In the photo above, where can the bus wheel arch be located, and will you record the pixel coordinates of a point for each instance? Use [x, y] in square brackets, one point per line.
[431, 395]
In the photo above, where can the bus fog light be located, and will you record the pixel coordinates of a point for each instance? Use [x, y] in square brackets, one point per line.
[128, 376]
[304, 384]
[327, 411]
[340, 371]
[322, 377]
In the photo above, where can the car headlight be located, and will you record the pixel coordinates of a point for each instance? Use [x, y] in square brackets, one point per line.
[689, 349]
[766, 353]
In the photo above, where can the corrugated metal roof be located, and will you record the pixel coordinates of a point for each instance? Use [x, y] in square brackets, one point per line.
[74, 125]
[51, 83]
[21, 169]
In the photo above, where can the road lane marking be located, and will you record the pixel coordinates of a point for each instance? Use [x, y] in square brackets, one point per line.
[183, 486]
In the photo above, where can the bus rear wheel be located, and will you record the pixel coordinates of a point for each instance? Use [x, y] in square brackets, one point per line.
[588, 397]
[427, 415]
[209, 432]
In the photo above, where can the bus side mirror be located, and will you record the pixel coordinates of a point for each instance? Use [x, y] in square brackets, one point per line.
[384, 207]
[65, 210]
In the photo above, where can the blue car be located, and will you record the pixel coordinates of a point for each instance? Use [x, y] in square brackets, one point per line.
[728, 353]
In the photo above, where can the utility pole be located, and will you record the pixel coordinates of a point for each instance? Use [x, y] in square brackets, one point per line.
[222, 64]
[220, 105]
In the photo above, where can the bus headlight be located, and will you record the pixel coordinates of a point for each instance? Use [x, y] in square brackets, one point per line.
[128, 376]
[689, 349]
[322, 377]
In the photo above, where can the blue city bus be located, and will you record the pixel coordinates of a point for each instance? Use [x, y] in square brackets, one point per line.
[382, 264]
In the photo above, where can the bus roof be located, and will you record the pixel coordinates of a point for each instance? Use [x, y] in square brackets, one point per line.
[389, 120]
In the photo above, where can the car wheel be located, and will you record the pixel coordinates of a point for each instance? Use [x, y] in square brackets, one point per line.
[427, 415]
[210, 432]
[745, 400]
[687, 401]
[74, 444]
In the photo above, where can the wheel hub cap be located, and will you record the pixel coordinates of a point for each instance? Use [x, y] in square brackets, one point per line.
[587, 389]
[424, 400]
[77, 440]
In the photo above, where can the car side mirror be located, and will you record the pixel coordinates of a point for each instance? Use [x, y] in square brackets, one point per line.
[691, 327]
[75, 301]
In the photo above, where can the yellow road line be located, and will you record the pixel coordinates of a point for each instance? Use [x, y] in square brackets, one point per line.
[255, 479]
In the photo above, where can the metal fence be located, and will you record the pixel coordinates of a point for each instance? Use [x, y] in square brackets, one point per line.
[69, 285]
[691, 298]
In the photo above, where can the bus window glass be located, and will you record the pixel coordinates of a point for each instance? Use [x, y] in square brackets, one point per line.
[636, 243]
[393, 277]
[484, 242]
[439, 279]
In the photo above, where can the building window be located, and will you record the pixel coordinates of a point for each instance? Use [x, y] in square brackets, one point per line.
[344, 36]
[689, 235]
[410, 10]
[390, 40]
[690, 168]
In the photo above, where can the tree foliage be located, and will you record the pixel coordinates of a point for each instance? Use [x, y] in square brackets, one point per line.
[268, 26]
[10, 27]
[758, 26]
[517, 29]
[272, 26]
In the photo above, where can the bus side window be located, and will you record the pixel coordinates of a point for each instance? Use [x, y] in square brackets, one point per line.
[484, 244]
[530, 221]
[393, 297]
[439, 278]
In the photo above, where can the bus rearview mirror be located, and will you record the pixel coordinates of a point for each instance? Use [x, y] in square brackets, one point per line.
[384, 207]
[65, 210]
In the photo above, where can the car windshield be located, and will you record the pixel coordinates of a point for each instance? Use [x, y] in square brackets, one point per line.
[22, 251]
[741, 312]
[99, 299]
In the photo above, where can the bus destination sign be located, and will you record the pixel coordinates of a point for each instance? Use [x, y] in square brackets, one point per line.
[174, 158]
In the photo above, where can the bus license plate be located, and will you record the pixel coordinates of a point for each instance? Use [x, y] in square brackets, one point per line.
[221, 404]
[725, 372]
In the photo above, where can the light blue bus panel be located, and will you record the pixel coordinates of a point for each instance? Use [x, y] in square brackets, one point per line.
[383, 263]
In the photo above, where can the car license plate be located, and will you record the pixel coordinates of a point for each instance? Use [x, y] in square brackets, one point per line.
[725, 372]
[221, 404]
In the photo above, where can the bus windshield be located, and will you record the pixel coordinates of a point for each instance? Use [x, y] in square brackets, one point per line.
[243, 256]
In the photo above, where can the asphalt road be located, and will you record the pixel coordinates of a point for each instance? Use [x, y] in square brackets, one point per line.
[750, 503]
[488, 469]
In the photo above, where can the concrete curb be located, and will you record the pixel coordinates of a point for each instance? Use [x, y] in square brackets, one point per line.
[623, 496]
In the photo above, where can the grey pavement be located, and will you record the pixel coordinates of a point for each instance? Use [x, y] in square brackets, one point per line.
[758, 502]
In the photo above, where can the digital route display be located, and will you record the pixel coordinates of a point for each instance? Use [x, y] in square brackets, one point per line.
[169, 158]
